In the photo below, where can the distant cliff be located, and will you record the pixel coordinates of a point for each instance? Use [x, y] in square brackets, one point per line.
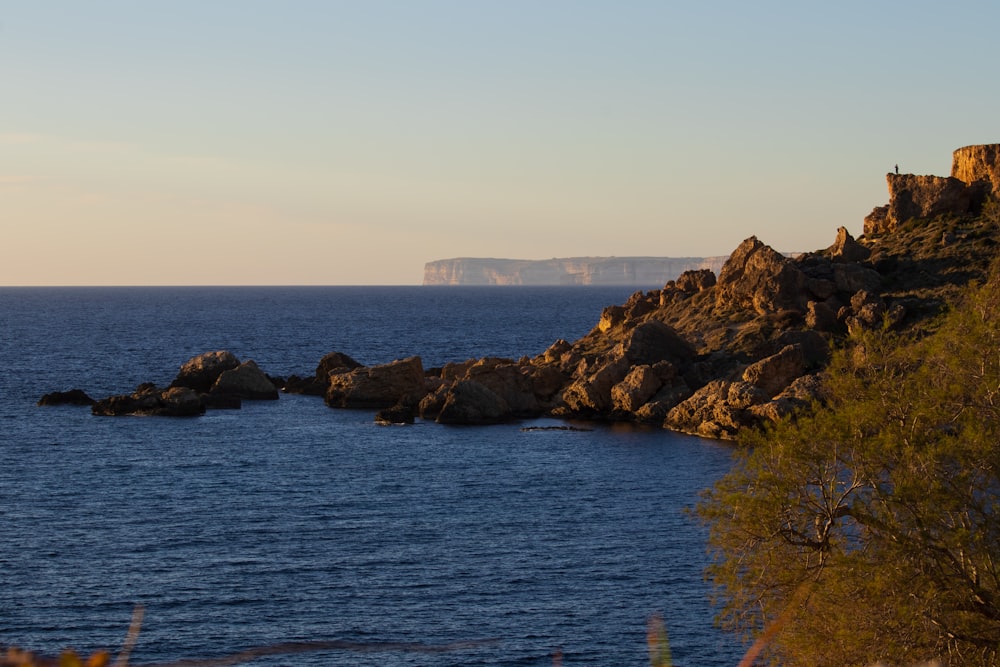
[627, 271]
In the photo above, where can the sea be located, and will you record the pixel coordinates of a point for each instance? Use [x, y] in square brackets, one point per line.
[309, 536]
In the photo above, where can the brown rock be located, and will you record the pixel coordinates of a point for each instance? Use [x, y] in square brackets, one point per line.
[246, 381]
[148, 400]
[638, 387]
[611, 317]
[850, 278]
[546, 381]
[663, 401]
[71, 397]
[759, 278]
[382, 386]
[821, 317]
[469, 402]
[201, 372]
[877, 222]
[695, 280]
[432, 402]
[334, 362]
[654, 341]
[509, 381]
[846, 249]
[397, 414]
[706, 413]
[593, 392]
[912, 196]
[970, 164]
[777, 371]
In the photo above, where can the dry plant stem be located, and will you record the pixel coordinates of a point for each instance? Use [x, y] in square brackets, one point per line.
[771, 630]
[132, 638]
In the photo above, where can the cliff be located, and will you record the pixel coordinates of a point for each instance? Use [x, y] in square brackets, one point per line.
[628, 271]
[975, 175]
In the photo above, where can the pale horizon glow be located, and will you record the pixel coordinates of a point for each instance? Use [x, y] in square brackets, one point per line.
[340, 142]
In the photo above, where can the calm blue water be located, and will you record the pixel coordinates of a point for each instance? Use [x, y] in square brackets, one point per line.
[289, 521]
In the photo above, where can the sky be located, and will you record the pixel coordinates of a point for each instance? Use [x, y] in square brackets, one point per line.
[251, 142]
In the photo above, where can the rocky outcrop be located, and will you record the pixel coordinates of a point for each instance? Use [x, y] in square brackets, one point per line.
[213, 380]
[246, 381]
[472, 403]
[629, 271]
[383, 386]
[316, 384]
[975, 174]
[71, 397]
[150, 401]
[972, 164]
[759, 278]
[201, 372]
[705, 354]
[846, 249]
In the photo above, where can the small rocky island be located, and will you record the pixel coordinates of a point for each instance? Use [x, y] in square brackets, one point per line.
[709, 353]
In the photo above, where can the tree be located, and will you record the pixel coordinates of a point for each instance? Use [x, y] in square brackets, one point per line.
[869, 528]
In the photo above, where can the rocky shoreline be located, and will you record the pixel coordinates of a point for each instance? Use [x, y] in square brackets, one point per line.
[707, 354]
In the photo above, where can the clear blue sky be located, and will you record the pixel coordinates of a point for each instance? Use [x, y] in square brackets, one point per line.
[350, 142]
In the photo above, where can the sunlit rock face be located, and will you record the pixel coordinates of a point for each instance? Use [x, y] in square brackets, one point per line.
[977, 163]
[975, 174]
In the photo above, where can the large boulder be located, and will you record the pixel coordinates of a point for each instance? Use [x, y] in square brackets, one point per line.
[709, 413]
[695, 280]
[316, 384]
[400, 381]
[761, 279]
[469, 402]
[510, 381]
[654, 341]
[846, 249]
[592, 392]
[201, 372]
[246, 381]
[334, 362]
[772, 374]
[641, 383]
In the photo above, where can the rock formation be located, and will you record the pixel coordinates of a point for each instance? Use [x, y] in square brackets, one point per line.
[214, 380]
[704, 354]
[379, 386]
[71, 397]
[975, 174]
[978, 163]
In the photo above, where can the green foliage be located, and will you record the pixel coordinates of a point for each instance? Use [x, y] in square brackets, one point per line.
[871, 526]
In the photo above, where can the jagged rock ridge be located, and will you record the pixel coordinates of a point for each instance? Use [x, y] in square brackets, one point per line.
[628, 271]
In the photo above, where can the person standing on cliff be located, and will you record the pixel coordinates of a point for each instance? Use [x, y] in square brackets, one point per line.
[897, 169]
